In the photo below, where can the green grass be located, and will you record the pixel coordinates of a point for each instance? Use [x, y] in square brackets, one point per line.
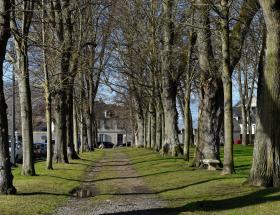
[43, 193]
[200, 191]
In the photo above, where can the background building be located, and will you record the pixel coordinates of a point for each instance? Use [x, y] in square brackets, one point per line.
[113, 124]
[237, 121]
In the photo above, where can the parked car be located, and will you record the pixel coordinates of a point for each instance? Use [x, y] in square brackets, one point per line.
[105, 145]
[40, 150]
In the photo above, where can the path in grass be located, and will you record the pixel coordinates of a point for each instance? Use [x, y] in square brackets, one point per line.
[116, 188]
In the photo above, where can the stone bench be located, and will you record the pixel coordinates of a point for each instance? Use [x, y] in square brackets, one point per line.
[212, 164]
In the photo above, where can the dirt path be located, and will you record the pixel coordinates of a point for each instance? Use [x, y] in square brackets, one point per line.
[115, 188]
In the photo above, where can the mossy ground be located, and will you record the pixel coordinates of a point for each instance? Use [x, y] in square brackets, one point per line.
[43, 193]
[190, 190]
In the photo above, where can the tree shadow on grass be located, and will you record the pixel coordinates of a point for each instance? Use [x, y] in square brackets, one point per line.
[254, 198]
[154, 211]
[116, 178]
[165, 190]
[43, 193]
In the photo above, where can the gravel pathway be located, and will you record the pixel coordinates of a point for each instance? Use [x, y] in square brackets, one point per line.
[124, 193]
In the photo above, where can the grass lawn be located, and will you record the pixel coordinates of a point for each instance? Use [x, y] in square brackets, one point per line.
[198, 191]
[43, 193]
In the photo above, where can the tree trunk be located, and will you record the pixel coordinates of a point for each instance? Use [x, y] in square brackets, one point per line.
[6, 177]
[211, 95]
[83, 135]
[250, 126]
[169, 86]
[244, 125]
[149, 127]
[163, 128]
[170, 117]
[158, 126]
[26, 115]
[48, 98]
[140, 131]
[187, 131]
[227, 85]
[187, 109]
[76, 130]
[95, 130]
[89, 112]
[60, 152]
[153, 127]
[210, 122]
[72, 154]
[49, 132]
[243, 94]
[191, 129]
[89, 132]
[146, 130]
[265, 169]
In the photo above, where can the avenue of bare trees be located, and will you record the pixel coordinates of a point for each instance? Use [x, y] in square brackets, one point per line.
[156, 55]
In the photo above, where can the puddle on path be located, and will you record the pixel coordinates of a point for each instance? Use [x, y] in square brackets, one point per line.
[83, 192]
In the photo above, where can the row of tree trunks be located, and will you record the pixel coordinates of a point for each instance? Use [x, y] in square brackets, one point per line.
[211, 89]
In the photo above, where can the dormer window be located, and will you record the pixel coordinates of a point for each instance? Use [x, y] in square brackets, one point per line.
[109, 114]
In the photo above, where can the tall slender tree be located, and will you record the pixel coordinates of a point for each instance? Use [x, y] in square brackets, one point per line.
[23, 13]
[6, 177]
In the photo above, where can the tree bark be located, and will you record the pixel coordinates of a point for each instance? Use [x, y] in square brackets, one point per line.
[140, 130]
[159, 126]
[61, 14]
[187, 109]
[265, 169]
[227, 86]
[72, 154]
[6, 177]
[211, 95]
[76, 130]
[20, 34]
[26, 112]
[169, 85]
[242, 95]
[60, 151]
[149, 127]
[48, 98]
[153, 126]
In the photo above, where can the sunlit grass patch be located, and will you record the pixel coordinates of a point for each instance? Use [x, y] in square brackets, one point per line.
[199, 191]
[43, 193]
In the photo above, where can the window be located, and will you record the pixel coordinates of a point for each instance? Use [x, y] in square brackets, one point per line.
[108, 124]
[98, 124]
[120, 124]
[109, 114]
[253, 128]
